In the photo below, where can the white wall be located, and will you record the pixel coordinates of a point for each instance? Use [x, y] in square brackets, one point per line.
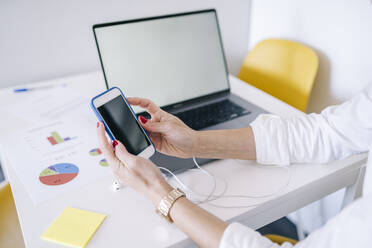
[340, 31]
[42, 39]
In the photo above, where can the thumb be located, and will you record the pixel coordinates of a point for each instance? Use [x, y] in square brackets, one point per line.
[122, 153]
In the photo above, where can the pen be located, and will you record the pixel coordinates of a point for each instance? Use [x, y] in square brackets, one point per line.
[20, 90]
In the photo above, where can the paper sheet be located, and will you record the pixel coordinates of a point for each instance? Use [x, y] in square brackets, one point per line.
[58, 153]
[46, 105]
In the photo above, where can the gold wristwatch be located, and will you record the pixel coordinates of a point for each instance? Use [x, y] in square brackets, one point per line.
[167, 202]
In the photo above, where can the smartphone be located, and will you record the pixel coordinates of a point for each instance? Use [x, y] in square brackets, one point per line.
[120, 121]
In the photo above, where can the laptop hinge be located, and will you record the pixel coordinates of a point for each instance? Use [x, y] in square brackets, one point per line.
[197, 101]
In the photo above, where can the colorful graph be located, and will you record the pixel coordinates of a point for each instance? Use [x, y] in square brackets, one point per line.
[103, 163]
[56, 139]
[95, 152]
[58, 174]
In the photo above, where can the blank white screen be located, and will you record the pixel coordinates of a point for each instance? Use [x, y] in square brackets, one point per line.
[167, 60]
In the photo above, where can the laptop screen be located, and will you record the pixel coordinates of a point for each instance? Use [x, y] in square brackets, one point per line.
[167, 59]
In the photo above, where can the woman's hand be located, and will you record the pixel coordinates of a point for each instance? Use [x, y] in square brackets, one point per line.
[170, 135]
[145, 177]
[136, 172]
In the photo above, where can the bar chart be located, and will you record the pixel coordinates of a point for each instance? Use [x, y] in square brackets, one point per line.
[55, 138]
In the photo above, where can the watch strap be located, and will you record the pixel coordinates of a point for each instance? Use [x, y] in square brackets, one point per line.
[167, 202]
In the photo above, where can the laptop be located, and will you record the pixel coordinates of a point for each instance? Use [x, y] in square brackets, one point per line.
[178, 62]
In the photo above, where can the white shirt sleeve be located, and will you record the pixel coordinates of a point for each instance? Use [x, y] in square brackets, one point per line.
[336, 133]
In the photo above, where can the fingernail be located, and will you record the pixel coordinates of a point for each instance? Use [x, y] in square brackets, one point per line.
[97, 124]
[143, 119]
[114, 143]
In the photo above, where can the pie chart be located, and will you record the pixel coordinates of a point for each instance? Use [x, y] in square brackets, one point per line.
[95, 152]
[58, 174]
[103, 163]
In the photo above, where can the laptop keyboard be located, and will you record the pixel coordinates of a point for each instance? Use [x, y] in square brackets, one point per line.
[211, 114]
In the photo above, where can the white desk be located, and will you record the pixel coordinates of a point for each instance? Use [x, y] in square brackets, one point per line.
[131, 220]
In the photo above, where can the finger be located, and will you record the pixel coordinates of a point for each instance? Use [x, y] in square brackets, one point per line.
[155, 127]
[122, 153]
[146, 104]
[105, 146]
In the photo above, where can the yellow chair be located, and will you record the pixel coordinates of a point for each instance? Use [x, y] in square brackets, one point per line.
[284, 69]
[280, 239]
[10, 230]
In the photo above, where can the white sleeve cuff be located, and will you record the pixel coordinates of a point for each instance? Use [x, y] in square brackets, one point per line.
[238, 236]
[271, 138]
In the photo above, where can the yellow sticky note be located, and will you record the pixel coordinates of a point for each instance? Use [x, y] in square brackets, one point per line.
[74, 227]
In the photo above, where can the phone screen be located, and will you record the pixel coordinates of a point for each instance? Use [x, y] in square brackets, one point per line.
[123, 125]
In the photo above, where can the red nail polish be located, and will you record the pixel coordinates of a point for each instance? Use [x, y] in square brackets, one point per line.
[143, 119]
[97, 124]
[114, 143]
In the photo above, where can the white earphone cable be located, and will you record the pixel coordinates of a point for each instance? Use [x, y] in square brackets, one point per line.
[212, 196]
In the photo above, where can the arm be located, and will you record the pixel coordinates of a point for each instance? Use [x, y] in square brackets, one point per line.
[235, 143]
[336, 133]
[172, 137]
[202, 227]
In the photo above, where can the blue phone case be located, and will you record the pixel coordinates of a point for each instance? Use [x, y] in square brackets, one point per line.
[103, 121]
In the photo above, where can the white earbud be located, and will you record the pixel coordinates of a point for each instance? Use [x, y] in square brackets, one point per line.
[116, 186]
